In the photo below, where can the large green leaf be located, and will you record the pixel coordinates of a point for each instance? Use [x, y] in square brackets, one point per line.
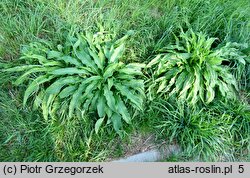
[67, 91]
[162, 86]
[110, 69]
[210, 94]
[98, 124]
[129, 95]
[188, 84]
[86, 60]
[69, 71]
[117, 53]
[91, 86]
[154, 61]
[70, 60]
[96, 59]
[34, 86]
[196, 86]
[181, 80]
[75, 98]
[83, 88]
[110, 82]
[46, 105]
[116, 120]
[122, 109]
[101, 106]
[54, 54]
[53, 63]
[58, 84]
[24, 77]
[110, 98]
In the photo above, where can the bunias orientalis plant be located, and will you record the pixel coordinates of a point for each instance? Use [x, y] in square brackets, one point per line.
[85, 74]
[191, 70]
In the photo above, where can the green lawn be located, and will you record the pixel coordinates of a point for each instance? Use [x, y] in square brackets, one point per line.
[214, 131]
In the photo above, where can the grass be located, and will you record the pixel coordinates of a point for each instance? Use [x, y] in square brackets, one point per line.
[26, 136]
[220, 132]
[20, 130]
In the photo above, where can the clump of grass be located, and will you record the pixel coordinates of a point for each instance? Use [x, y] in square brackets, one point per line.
[201, 134]
[26, 136]
[236, 117]
[75, 139]
[23, 136]
[217, 133]
[154, 19]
